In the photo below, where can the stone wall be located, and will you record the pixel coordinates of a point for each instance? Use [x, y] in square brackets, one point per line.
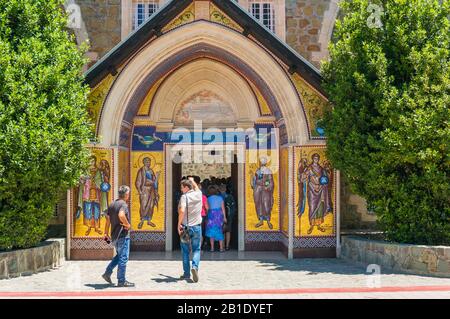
[25, 262]
[304, 22]
[354, 213]
[103, 24]
[413, 259]
[205, 171]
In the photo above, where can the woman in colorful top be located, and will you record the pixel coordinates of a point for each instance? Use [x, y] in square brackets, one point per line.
[216, 217]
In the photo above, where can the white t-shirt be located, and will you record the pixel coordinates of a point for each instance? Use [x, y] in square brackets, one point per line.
[194, 202]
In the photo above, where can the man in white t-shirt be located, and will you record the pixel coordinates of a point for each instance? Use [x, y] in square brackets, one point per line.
[190, 215]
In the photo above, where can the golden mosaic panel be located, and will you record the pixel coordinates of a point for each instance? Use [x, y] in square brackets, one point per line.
[218, 16]
[284, 190]
[144, 109]
[97, 97]
[314, 103]
[187, 16]
[93, 195]
[314, 192]
[147, 191]
[124, 164]
[262, 191]
[262, 103]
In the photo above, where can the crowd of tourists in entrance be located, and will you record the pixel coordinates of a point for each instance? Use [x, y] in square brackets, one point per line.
[206, 211]
[218, 212]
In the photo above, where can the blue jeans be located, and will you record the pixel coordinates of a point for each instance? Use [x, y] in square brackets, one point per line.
[120, 259]
[196, 234]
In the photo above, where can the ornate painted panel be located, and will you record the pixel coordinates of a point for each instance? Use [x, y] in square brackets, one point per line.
[204, 106]
[93, 195]
[314, 198]
[262, 191]
[218, 16]
[188, 15]
[147, 191]
[145, 138]
[147, 103]
[264, 108]
[314, 105]
[124, 164]
[97, 97]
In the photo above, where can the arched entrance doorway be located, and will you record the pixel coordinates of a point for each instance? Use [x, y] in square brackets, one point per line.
[241, 91]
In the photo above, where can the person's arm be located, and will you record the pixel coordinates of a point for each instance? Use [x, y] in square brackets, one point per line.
[181, 210]
[206, 204]
[194, 184]
[124, 220]
[108, 222]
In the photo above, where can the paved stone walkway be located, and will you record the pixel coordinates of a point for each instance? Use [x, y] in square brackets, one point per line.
[227, 275]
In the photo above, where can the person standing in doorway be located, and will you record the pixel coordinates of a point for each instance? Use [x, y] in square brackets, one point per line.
[230, 208]
[118, 216]
[216, 217]
[190, 217]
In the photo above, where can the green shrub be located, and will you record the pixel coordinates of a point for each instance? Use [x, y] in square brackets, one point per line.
[43, 119]
[389, 128]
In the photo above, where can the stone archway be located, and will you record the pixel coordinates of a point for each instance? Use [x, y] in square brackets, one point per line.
[210, 47]
[200, 77]
[210, 40]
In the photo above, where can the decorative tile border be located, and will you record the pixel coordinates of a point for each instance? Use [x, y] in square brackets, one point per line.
[314, 242]
[89, 243]
[263, 236]
[148, 237]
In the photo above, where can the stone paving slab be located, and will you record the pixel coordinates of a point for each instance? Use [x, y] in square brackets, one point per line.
[252, 272]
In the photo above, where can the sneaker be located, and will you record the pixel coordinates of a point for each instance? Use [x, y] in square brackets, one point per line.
[184, 277]
[125, 284]
[194, 274]
[107, 279]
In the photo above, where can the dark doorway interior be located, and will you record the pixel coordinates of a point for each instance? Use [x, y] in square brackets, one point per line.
[176, 178]
[235, 229]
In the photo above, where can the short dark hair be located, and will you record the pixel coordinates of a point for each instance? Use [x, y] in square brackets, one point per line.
[197, 179]
[213, 190]
[123, 190]
[186, 183]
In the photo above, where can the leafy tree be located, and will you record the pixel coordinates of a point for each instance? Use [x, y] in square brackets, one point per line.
[389, 133]
[43, 119]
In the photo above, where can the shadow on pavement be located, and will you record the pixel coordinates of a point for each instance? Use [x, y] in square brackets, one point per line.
[166, 279]
[275, 261]
[99, 286]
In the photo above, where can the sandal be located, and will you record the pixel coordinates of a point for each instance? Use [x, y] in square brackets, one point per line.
[222, 250]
